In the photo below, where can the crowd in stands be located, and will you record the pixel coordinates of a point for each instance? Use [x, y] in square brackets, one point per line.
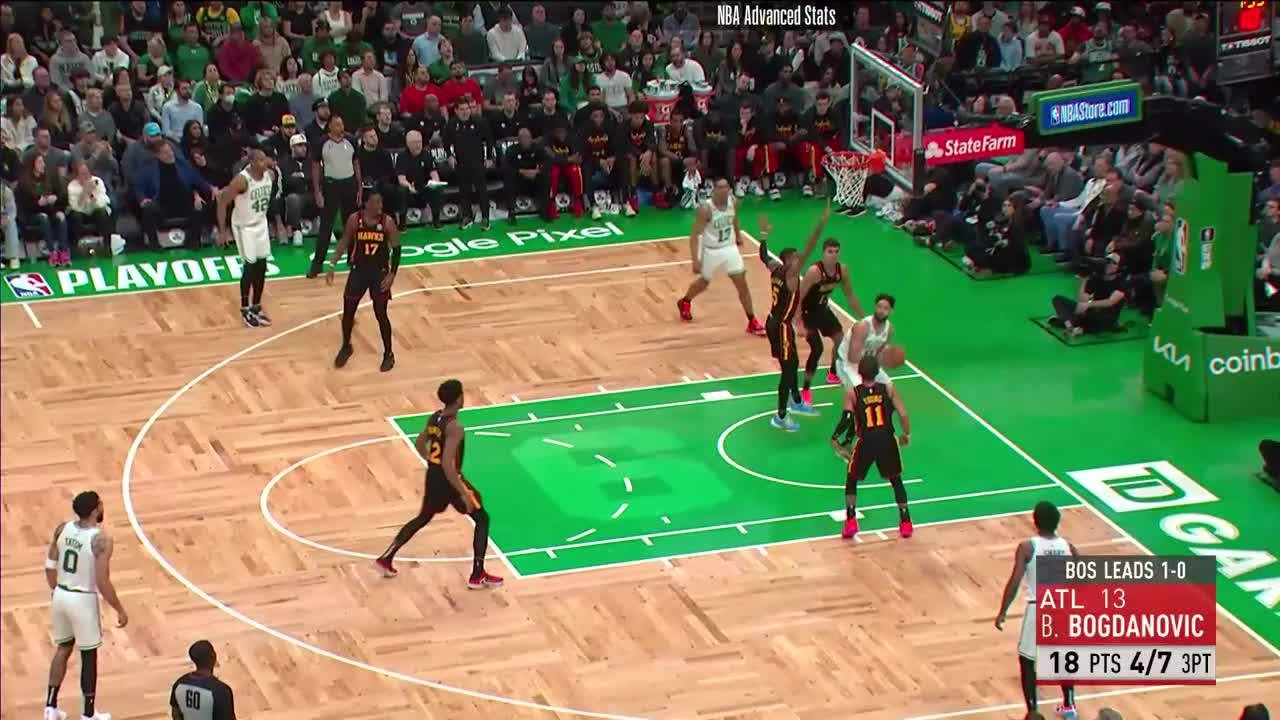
[1103, 212]
[122, 119]
[132, 114]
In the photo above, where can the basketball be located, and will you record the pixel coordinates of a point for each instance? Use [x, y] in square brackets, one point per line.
[892, 357]
[878, 159]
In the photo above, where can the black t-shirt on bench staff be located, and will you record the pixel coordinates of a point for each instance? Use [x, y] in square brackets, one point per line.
[376, 165]
[415, 168]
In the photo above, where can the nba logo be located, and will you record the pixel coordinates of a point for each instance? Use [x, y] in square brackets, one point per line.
[1181, 238]
[28, 285]
[1206, 248]
[1053, 115]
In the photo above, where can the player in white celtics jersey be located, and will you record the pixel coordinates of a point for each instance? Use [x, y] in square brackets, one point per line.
[869, 336]
[713, 245]
[78, 570]
[251, 191]
[1045, 542]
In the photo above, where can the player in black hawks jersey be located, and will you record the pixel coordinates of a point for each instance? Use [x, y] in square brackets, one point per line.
[819, 321]
[822, 131]
[374, 241]
[640, 148]
[869, 408]
[792, 157]
[784, 284]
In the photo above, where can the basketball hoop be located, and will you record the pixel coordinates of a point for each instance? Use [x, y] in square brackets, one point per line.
[850, 169]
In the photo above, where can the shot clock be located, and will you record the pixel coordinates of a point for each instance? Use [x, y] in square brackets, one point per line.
[1126, 620]
[1244, 40]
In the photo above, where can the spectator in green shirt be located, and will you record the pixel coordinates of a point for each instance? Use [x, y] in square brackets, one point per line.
[611, 31]
[470, 45]
[252, 12]
[353, 50]
[440, 69]
[347, 102]
[209, 89]
[314, 46]
[176, 24]
[573, 91]
[191, 56]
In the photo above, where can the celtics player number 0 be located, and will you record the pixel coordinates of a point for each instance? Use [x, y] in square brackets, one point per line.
[70, 561]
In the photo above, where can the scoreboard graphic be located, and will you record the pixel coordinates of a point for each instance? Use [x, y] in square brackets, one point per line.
[1244, 40]
[1126, 620]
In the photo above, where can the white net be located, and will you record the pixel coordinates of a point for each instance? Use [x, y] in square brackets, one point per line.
[850, 177]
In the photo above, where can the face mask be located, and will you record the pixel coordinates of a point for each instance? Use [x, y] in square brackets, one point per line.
[227, 100]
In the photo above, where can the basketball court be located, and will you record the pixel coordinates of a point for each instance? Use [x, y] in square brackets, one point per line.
[669, 555]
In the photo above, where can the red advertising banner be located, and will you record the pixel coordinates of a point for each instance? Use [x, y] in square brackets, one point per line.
[966, 144]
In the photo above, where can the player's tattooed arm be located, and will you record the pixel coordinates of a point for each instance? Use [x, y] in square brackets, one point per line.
[102, 550]
[1020, 560]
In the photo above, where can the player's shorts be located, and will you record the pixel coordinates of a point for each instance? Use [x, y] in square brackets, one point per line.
[823, 320]
[883, 453]
[782, 340]
[441, 494]
[727, 259]
[253, 241]
[1027, 636]
[850, 378]
[76, 618]
[361, 281]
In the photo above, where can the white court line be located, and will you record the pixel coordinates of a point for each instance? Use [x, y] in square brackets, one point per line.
[126, 487]
[515, 398]
[743, 525]
[646, 541]
[685, 378]
[577, 537]
[666, 520]
[640, 388]
[1049, 474]
[423, 461]
[491, 434]
[762, 550]
[621, 509]
[1093, 696]
[601, 388]
[577, 427]
[780, 543]
[619, 406]
[606, 461]
[665, 562]
[549, 441]
[551, 554]
[264, 505]
[32, 314]
[626, 481]
[709, 376]
[637, 408]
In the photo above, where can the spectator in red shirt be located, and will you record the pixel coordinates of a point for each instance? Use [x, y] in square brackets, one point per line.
[459, 85]
[413, 99]
[1076, 31]
[237, 57]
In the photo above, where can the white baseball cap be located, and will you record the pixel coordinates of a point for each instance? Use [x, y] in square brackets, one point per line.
[297, 140]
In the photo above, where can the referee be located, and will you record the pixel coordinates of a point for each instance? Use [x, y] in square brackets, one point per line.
[198, 695]
[335, 181]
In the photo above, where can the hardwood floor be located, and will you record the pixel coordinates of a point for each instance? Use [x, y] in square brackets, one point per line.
[820, 630]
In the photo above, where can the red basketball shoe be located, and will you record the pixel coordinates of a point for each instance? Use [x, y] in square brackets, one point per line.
[686, 309]
[850, 528]
[906, 529]
[483, 580]
[755, 328]
[388, 570]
